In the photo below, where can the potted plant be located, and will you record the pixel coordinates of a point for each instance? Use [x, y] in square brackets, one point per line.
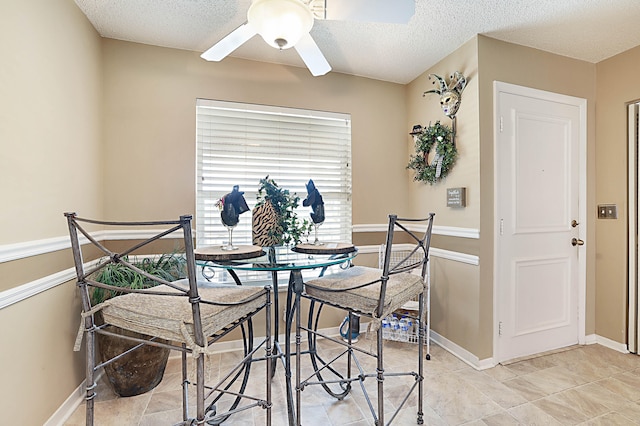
[274, 220]
[142, 369]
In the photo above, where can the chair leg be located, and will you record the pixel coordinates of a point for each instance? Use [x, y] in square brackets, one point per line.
[298, 360]
[349, 341]
[298, 339]
[185, 385]
[421, 323]
[90, 382]
[200, 388]
[287, 349]
[380, 378]
[427, 318]
[268, 355]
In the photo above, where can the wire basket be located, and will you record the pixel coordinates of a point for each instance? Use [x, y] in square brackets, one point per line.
[411, 307]
[397, 255]
[413, 337]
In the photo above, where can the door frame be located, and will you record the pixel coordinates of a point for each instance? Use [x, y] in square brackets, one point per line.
[501, 87]
[633, 322]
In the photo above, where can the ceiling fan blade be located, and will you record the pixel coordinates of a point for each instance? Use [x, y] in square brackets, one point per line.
[312, 56]
[228, 44]
[385, 11]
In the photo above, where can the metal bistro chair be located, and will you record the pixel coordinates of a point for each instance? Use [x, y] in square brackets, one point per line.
[374, 293]
[412, 305]
[185, 315]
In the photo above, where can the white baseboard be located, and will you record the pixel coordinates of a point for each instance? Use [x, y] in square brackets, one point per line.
[461, 353]
[478, 364]
[590, 339]
[611, 344]
[68, 407]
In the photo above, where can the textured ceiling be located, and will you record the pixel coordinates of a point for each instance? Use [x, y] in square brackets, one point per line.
[591, 30]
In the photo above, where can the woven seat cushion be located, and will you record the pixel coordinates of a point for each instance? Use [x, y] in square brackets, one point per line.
[162, 316]
[400, 289]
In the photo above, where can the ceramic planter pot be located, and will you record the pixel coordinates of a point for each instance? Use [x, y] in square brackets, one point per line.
[137, 372]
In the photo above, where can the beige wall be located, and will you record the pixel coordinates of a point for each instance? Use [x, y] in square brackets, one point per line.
[50, 109]
[455, 310]
[50, 115]
[426, 110]
[150, 95]
[455, 287]
[617, 85]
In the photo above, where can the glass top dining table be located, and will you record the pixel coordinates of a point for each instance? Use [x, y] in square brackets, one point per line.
[275, 260]
[281, 258]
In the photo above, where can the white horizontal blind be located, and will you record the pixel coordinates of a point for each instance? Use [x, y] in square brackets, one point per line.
[238, 144]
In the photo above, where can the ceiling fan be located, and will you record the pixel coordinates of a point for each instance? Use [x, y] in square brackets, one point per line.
[286, 23]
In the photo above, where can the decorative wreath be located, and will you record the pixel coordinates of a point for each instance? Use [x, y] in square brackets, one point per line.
[445, 155]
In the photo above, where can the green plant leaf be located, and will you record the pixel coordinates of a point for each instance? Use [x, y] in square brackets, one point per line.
[168, 266]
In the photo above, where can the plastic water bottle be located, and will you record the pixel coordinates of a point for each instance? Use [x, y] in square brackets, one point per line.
[404, 330]
[395, 328]
[386, 328]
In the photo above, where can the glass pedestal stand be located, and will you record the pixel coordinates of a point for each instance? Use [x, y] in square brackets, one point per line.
[316, 241]
[229, 245]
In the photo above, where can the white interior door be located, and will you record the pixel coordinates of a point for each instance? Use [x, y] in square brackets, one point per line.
[538, 162]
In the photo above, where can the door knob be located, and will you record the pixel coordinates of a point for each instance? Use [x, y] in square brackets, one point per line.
[577, 242]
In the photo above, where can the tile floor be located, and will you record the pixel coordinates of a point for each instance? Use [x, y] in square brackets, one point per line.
[586, 385]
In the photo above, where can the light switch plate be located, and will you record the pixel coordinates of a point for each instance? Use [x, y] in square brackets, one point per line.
[607, 211]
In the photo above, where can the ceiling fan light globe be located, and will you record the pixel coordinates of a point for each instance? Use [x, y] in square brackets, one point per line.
[281, 23]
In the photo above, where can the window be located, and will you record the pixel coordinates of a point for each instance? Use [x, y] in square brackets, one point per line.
[238, 144]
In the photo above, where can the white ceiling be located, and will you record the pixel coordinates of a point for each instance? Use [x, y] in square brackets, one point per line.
[591, 30]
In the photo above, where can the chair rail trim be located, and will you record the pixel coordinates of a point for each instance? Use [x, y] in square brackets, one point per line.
[449, 231]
